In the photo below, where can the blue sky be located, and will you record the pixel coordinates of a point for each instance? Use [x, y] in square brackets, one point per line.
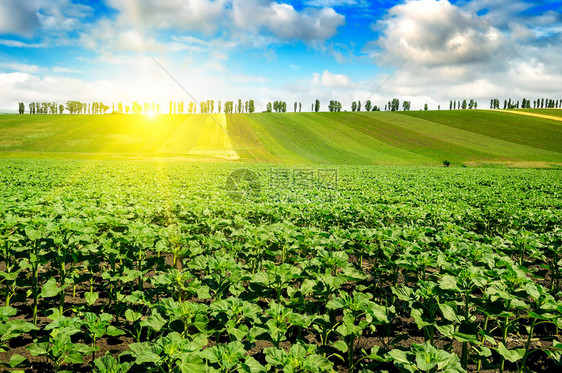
[58, 50]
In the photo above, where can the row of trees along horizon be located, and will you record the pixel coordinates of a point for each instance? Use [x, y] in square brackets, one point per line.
[207, 107]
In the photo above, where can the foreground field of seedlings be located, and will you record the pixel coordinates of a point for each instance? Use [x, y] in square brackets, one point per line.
[121, 266]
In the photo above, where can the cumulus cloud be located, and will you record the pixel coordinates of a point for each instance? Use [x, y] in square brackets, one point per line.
[192, 15]
[284, 21]
[17, 18]
[459, 53]
[327, 79]
[437, 33]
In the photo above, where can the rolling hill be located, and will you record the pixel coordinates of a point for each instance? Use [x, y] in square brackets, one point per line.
[384, 138]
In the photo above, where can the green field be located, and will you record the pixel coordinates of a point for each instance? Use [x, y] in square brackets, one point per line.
[156, 267]
[374, 138]
[115, 259]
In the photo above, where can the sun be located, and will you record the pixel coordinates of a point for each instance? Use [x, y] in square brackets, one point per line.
[152, 114]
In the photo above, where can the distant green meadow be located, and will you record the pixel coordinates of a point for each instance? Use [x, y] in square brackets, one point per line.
[471, 137]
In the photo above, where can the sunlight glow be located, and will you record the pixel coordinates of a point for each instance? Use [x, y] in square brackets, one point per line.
[152, 114]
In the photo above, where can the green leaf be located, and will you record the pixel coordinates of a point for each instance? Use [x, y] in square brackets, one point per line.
[112, 331]
[340, 345]
[91, 297]
[448, 312]
[449, 282]
[6, 312]
[398, 356]
[74, 358]
[16, 360]
[154, 321]
[417, 316]
[513, 355]
[50, 288]
[39, 349]
[275, 356]
[132, 316]
[191, 363]
[251, 365]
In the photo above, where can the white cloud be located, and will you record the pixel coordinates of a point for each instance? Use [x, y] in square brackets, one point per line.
[31, 88]
[192, 15]
[18, 18]
[19, 67]
[19, 44]
[457, 54]
[65, 70]
[437, 33]
[327, 79]
[284, 21]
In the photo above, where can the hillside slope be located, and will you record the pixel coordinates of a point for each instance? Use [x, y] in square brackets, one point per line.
[401, 138]
[385, 138]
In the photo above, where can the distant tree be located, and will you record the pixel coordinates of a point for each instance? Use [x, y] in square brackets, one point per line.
[358, 105]
[455, 105]
[464, 104]
[296, 106]
[246, 106]
[334, 105]
[475, 104]
[220, 106]
[120, 108]
[212, 106]
[251, 106]
[353, 106]
[269, 107]
[21, 108]
[395, 104]
[317, 106]
[127, 108]
[425, 107]
[450, 104]
[239, 105]
[471, 104]
[312, 107]
[438, 107]
[458, 105]
[73, 107]
[504, 104]
[368, 105]
[300, 107]
[61, 108]
[406, 105]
